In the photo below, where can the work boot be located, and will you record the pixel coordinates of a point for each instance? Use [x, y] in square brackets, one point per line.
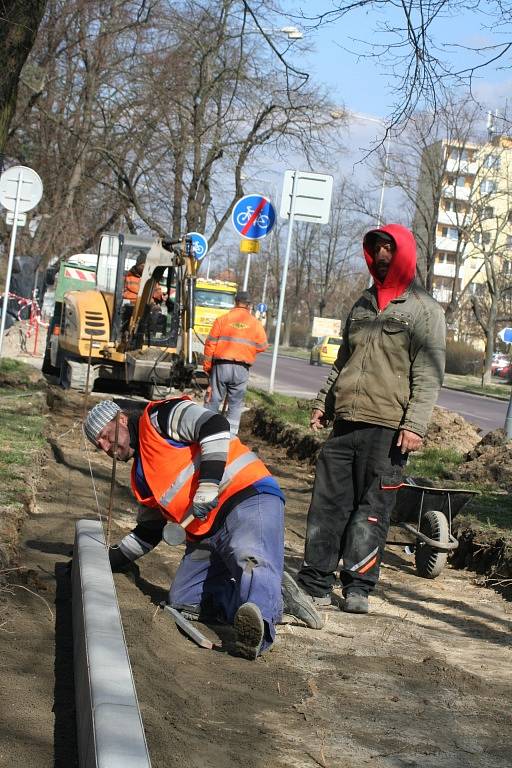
[355, 602]
[249, 631]
[299, 604]
[118, 561]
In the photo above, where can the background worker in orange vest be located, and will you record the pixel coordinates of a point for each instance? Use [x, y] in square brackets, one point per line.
[185, 462]
[230, 349]
[132, 281]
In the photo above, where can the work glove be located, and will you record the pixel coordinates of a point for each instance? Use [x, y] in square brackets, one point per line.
[205, 499]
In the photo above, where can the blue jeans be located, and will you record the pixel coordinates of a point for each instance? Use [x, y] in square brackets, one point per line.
[241, 562]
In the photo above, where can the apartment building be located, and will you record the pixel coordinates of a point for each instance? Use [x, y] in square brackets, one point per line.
[464, 219]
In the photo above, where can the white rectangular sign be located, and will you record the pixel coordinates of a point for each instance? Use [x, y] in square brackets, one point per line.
[22, 218]
[325, 326]
[313, 195]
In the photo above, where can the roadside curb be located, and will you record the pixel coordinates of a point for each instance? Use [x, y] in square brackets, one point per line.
[110, 733]
[477, 394]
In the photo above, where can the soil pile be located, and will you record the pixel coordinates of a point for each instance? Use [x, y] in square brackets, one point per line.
[451, 431]
[490, 462]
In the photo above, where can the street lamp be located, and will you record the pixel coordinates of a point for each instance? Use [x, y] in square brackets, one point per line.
[386, 159]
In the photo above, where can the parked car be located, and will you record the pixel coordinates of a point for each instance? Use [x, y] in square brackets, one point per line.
[325, 351]
[499, 362]
[505, 372]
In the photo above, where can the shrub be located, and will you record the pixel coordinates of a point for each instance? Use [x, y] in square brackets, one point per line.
[463, 358]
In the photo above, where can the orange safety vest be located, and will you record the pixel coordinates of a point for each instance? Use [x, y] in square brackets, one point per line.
[236, 336]
[171, 472]
[131, 287]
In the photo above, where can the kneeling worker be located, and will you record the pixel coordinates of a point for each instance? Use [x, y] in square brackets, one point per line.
[185, 462]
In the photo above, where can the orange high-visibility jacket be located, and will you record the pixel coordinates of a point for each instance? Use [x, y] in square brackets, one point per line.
[131, 287]
[237, 336]
[171, 472]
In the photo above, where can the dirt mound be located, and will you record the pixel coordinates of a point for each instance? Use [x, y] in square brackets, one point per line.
[490, 462]
[449, 430]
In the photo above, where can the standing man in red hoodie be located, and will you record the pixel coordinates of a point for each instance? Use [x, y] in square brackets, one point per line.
[230, 350]
[379, 394]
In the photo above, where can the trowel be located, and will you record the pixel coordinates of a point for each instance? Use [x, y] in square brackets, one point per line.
[174, 534]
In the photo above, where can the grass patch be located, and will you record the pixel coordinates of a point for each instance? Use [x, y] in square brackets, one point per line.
[288, 409]
[300, 352]
[433, 463]
[490, 512]
[22, 425]
[473, 385]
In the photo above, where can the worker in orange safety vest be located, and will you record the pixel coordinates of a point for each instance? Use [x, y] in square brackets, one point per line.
[230, 349]
[132, 281]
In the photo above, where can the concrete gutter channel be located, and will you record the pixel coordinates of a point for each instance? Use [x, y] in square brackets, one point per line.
[110, 733]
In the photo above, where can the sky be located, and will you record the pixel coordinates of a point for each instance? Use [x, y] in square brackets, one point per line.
[339, 54]
[333, 55]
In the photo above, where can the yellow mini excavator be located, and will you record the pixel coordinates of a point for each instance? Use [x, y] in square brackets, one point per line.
[98, 333]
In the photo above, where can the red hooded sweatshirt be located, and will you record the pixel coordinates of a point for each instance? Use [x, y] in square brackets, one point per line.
[402, 267]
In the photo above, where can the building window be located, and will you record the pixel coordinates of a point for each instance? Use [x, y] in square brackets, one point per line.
[507, 267]
[509, 241]
[458, 154]
[491, 161]
[487, 187]
[486, 238]
[451, 232]
[488, 212]
[460, 181]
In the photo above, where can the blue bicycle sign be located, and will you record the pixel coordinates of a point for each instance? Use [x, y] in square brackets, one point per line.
[199, 245]
[253, 216]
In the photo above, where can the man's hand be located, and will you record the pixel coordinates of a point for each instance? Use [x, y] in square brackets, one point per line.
[317, 420]
[205, 499]
[409, 441]
[208, 394]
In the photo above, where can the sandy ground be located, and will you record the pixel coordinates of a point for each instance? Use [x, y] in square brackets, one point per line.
[425, 680]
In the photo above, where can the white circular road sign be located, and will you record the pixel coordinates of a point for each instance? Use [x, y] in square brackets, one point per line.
[31, 188]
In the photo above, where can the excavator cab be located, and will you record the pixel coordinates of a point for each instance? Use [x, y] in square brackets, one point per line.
[143, 341]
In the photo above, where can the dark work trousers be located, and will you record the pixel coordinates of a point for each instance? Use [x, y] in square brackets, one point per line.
[349, 515]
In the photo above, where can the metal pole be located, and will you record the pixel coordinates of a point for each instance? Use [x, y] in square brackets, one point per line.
[208, 268]
[10, 259]
[283, 284]
[508, 419]
[264, 291]
[383, 186]
[246, 275]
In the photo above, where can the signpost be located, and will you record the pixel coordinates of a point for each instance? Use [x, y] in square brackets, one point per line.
[199, 245]
[305, 197]
[325, 326]
[20, 190]
[506, 336]
[253, 218]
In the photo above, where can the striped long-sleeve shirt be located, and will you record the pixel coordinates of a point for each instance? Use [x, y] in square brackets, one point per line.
[186, 421]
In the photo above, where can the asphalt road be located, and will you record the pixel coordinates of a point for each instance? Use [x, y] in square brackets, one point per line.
[296, 377]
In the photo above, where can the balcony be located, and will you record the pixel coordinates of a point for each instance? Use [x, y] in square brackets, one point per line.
[442, 269]
[452, 218]
[459, 193]
[448, 244]
[461, 167]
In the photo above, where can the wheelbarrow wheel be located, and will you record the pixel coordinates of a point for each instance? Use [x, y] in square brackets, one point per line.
[430, 562]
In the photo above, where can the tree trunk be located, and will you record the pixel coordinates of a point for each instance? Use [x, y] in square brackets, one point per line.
[20, 22]
[490, 335]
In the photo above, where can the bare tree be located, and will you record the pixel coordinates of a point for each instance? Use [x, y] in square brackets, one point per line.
[19, 21]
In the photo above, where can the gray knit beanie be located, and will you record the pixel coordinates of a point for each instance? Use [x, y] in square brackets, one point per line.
[98, 417]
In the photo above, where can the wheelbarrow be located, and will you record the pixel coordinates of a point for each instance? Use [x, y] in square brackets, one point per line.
[427, 513]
